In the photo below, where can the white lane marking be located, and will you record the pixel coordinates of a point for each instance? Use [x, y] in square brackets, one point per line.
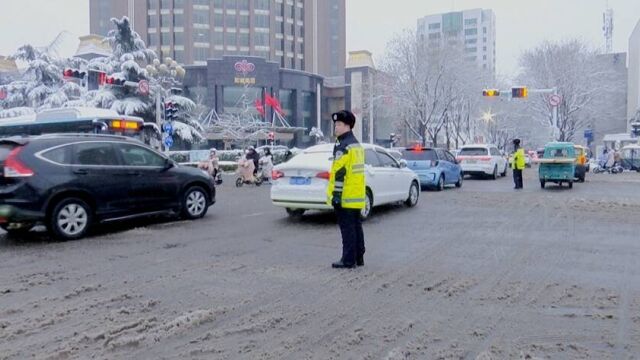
[252, 215]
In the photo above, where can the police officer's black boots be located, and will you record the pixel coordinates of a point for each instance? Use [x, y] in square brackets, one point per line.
[341, 265]
[360, 261]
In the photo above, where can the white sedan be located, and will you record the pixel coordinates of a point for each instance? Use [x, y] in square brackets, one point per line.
[301, 183]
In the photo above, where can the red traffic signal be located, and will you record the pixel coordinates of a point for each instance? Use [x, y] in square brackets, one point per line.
[73, 73]
[110, 80]
[170, 110]
[519, 92]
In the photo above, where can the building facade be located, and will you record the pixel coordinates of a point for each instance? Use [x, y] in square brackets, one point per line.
[472, 30]
[234, 84]
[633, 86]
[306, 35]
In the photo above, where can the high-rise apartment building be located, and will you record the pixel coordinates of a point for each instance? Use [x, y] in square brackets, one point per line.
[633, 90]
[474, 31]
[306, 35]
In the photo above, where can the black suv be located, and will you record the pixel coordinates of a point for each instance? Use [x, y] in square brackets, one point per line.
[70, 181]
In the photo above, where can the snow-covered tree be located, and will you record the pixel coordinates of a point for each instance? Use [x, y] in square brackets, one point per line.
[574, 69]
[434, 90]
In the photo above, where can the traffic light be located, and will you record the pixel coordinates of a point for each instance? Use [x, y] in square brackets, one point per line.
[74, 73]
[635, 129]
[170, 110]
[491, 92]
[110, 80]
[519, 92]
[96, 79]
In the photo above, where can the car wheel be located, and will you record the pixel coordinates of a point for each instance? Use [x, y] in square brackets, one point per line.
[17, 233]
[460, 180]
[366, 211]
[194, 203]
[414, 195]
[258, 181]
[494, 175]
[239, 182]
[295, 213]
[440, 185]
[542, 183]
[70, 219]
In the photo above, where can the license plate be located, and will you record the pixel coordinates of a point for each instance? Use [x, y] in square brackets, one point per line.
[296, 180]
[471, 161]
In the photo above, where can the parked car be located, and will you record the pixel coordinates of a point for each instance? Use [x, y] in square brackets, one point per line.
[301, 183]
[69, 182]
[482, 159]
[435, 167]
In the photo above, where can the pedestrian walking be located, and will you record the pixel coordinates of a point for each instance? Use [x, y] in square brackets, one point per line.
[517, 164]
[253, 155]
[346, 190]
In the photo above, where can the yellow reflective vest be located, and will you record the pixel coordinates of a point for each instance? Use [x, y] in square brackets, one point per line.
[517, 162]
[347, 179]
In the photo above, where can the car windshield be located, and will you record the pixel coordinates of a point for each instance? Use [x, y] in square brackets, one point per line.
[417, 155]
[473, 152]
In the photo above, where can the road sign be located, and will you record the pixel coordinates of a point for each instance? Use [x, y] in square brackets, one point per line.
[167, 127]
[588, 134]
[143, 87]
[168, 141]
[555, 100]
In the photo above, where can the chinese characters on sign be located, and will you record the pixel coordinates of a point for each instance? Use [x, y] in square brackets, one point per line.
[245, 81]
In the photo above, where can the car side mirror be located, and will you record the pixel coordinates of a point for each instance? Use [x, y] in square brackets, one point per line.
[403, 163]
[168, 164]
[436, 163]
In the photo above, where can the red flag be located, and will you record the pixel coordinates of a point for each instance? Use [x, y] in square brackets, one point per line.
[274, 103]
[260, 107]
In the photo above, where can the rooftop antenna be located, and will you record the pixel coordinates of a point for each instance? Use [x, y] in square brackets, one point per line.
[607, 28]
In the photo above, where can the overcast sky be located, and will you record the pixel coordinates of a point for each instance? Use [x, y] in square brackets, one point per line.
[520, 24]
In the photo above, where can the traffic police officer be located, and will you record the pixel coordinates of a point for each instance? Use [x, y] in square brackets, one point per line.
[346, 190]
[517, 164]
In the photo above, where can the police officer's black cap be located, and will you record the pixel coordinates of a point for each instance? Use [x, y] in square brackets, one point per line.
[516, 141]
[344, 116]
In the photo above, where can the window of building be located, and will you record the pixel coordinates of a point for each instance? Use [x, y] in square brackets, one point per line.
[243, 39]
[235, 96]
[218, 4]
[261, 39]
[230, 39]
[218, 20]
[484, 30]
[484, 57]
[470, 31]
[178, 4]
[261, 21]
[152, 40]
[434, 26]
[230, 4]
[261, 4]
[308, 109]
[200, 54]
[152, 21]
[231, 20]
[200, 2]
[179, 56]
[178, 20]
[287, 101]
[165, 20]
[166, 53]
[243, 4]
[218, 37]
[166, 38]
[165, 4]
[470, 22]
[201, 36]
[243, 21]
[484, 48]
[471, 41]
[434, 36]
[178, 38]
[201, 17]
[470, 49]
[152, 4]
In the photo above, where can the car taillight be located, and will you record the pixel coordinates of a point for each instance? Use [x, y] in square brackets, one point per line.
[323, 175]
[13, 167]
[276, 174]
[485, 158]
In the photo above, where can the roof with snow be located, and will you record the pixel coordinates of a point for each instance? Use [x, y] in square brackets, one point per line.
[92, 46]
[8, 65]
